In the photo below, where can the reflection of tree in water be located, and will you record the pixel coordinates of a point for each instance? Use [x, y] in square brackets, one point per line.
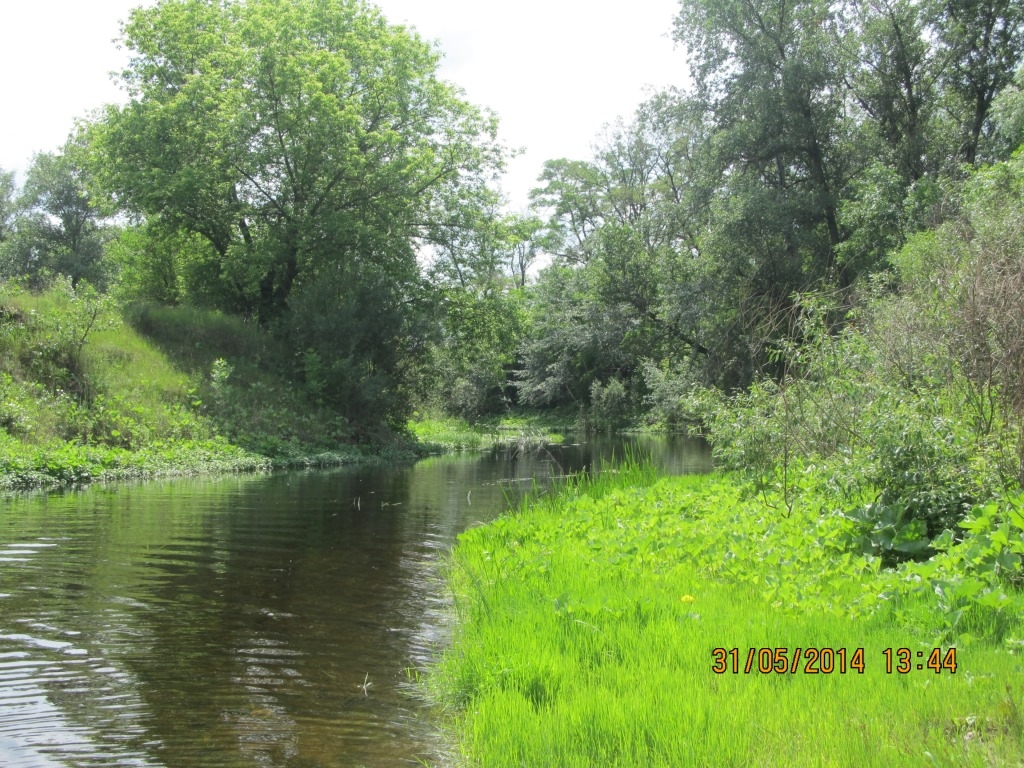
[59, 693]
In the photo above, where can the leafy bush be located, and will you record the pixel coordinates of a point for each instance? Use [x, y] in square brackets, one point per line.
[883, 415]
[923, 471]
[471, 360]
[364, 348]
[669, 395]
[609, 405]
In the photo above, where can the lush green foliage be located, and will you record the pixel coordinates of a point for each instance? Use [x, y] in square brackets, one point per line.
[588, 617]
[817, 138]
[915, 407]
[53, 227]
[292, 160]
[471, 360]
[25, 466]
[454, 434]
[85, 396]
[300, 139]
[479, 316]
[300, 162]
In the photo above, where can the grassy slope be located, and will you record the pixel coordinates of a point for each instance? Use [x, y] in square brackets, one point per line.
[173, 391]
[586, 624]
[138, 399]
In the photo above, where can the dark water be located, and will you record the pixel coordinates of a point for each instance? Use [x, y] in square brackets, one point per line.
[245, 621]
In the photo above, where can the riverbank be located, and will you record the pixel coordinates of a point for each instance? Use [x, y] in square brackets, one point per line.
[587, 624]
[25, 467]
[93, 392]
[441, 434]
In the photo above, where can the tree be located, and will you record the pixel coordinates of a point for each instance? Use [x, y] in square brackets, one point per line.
[1008, 112]
[56, 227]
[478, 270]
[574, 195]
[523, 235]
[634, 283]
[301, 138]
[773, 78]
[8, 190]
[895, 82]
[982, 42]
[313, 148]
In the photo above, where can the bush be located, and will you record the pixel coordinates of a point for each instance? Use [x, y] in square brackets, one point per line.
[990, 345]
[609, 405]
[668, 398]
[923, 471]
[355, 348]
[890, 420]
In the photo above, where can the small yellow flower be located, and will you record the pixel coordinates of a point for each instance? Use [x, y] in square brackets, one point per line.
[687, 598]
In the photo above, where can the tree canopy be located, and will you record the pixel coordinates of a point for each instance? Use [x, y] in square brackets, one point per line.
[299, 138]
[53, 225]
[818, 136]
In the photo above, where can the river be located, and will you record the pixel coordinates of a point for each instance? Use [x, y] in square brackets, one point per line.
[260, 620]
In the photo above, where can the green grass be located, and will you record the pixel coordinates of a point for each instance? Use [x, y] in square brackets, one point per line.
[86, 396]
[25, 466]
[448, 433]
[578, 644]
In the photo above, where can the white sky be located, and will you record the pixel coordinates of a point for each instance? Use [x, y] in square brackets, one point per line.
[555, 71]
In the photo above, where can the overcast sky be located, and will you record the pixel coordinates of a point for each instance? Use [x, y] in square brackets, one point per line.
[555, 71]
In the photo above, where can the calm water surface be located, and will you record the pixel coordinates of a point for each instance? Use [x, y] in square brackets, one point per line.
[245, 621]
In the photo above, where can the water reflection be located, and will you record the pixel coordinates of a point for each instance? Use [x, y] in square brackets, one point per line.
[244, 621]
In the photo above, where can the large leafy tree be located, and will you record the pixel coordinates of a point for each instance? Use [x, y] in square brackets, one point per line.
[304, 140]
[894, 80]
[981, 42]
[54, 227]
[773, 77]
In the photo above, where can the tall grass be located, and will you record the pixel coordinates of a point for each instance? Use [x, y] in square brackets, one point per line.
[587, 621]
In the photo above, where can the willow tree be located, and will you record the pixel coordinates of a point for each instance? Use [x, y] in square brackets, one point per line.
[299, 138]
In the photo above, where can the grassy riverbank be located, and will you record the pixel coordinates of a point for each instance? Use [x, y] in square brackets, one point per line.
[89, 392]
[587, 622]
[447, 433]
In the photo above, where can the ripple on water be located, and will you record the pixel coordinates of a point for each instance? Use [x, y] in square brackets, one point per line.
[238, 621]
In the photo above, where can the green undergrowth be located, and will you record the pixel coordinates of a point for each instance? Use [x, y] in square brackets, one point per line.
[87, 395]
[446, 433]
[26, 466]
[586, 623]
[557, 420]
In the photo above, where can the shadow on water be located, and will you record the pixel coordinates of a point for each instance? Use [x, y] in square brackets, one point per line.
[256, 620]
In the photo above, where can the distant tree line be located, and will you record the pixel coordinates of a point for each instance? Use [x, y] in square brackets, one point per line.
[300, 164]
[816, 138]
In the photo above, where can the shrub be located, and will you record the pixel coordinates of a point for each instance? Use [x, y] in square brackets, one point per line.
[668, 399]
[889, 420]
[609, 405]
